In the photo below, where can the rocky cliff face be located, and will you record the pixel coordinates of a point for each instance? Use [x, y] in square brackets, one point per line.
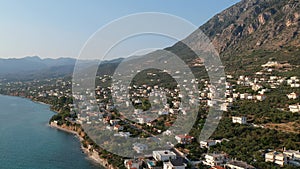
[250, 33]
[255, 24]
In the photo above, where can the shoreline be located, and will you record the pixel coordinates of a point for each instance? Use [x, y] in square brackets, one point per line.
[93, 156]
[40, 102]
[62, 129]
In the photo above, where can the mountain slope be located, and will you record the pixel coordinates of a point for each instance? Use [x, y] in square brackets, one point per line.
[254, 24]
[252, 32]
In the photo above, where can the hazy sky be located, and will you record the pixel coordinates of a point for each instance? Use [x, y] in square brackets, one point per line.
[60, 28]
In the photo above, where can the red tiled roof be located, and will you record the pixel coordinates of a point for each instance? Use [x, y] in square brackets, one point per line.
[217, 167]
[184, 136]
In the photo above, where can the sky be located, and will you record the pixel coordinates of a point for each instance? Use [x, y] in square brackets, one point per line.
[60, 28]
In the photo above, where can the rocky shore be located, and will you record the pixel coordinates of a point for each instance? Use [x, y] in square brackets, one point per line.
[92, 154]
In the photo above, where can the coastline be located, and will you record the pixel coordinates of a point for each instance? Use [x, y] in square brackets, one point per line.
[91, 155]
[40, 102]
[53, 125]
[63, 152]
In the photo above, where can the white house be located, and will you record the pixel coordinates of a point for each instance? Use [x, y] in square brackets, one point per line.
[276, 157]
[270, 64]
[269, 157]
[294, 78]
[292, 154]
[263, 91]
[230, 100]
[210, 95]
[295, 85]
[235, 95]
[261, 97]
[243, 95]
[256, 87]
[238, 165]
[215, 159]
[294, 108]
[163, 155]
[250, 97]
[184, 139]
[224, 106]
[240, 120]
[292, 95]
[207, 143]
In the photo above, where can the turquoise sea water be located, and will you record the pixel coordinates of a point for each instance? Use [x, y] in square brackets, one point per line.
[27, 142]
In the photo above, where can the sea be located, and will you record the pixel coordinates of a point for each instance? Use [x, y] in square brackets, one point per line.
[27, 142]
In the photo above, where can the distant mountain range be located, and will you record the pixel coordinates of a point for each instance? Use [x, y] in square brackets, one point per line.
[32, 67]
[32, 63]
[246, 35]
